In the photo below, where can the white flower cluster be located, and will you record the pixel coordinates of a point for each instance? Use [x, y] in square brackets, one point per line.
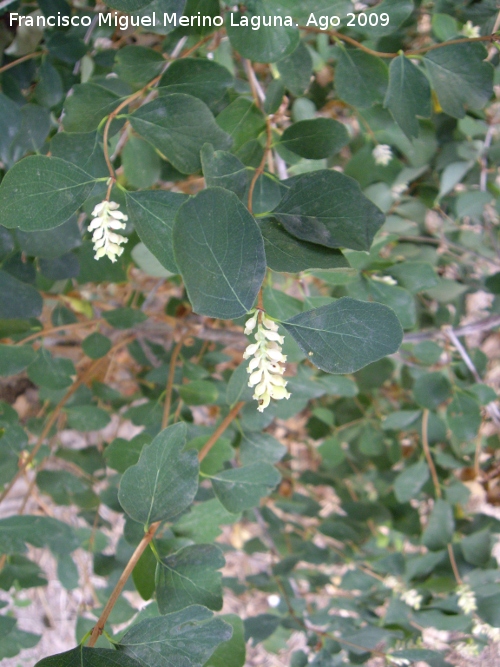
[466, 599]
[488, 630]
[412, 598]
[266, 371]
[470, 30]
[382, 154]
[467, 649]
[106, 241]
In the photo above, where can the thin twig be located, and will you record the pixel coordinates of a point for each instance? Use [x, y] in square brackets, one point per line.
[454, 566]
[383, 54]
[487, 324]
[29, 56]
[427, 452]
[99, 626]
[220, 430]
[63, 327]
[170, 382]
[260, 169]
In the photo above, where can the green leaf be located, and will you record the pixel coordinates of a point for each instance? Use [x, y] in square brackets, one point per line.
[39, 531]
[414, 276]
[51, 243]
[153, 214]
[222, 169]
[82, 149]
[143, 574]
[315, 139]
[141, 163]
[96, 345]
[87, 106]
[164, 481]
[258, 628]
[124, 318]
[177, 126]
[260, 447]
[51, 372]
[360, 78]
[440, 526]
[346, 335]
[233, 652]
[464, 417]
[82, 656]
[20, 572]
[409, 483]
[198, 77]
[15, 641]
[121, 454]
[199, 392]
[460, 76]
[476, 548]
[137, 64]
[7, 623]
[287, 254]
[86, 418]
[220, 253]
[190, 577]
[239, 489]
[242, 120]
[328, 208]
[237, 387]
[14, 359]
[265, 44]
[408, 95]
[42, 192]
[488, 609]
[202, 523]
[66, 489]
[296, 70]
[17, 299]
[431, 389]
[186, 638]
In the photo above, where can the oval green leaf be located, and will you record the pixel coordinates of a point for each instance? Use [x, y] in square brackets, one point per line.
[220, 253]
[344, 336]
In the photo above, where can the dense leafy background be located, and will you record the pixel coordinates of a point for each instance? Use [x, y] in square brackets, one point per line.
[342, 524]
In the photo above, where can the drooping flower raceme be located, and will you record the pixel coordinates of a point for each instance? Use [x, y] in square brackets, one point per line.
[266, 359]
[382, 154]
[107, 219]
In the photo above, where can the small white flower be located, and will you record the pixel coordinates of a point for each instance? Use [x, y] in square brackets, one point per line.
[399, 662]
[265, 355]
[470, 30]
[250, 324]
[398, 189]
[466, 599]
[273, 600]
[392, 582]
[382, 154]
[106, 218]
[412, 598]
[387, 280]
